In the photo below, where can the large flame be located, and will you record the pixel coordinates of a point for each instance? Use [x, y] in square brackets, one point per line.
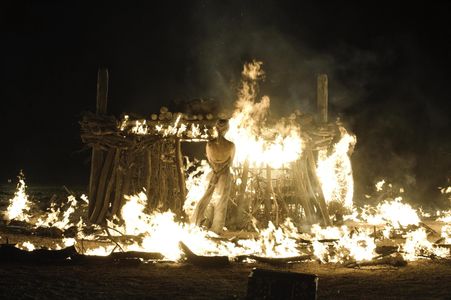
[256, 142]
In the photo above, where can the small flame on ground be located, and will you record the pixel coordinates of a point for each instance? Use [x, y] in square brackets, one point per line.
[19, 205]
[395, 213]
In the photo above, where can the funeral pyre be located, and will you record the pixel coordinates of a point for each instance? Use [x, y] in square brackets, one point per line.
[392, 232]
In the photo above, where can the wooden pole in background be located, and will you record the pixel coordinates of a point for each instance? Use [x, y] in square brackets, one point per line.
[97, 154]
[322, 98]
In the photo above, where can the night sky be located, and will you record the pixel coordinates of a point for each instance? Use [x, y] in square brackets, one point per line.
[388, 66]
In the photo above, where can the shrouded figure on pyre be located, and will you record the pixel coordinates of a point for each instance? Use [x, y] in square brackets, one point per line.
[211, 210]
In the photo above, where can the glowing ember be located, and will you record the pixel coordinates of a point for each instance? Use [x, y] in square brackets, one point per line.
[379, 185]
[446, 234]
[444, 216]
[27, 246]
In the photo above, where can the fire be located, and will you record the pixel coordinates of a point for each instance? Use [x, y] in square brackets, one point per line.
[196, 183]
[19, 205]
[258, 143]
[58, 219]
[379, 185]
[261, 145]
[27, 246]
[394, 213]
[417, 246]
[446, 234]
[358, 246]
[335, 171]
[272, 242]
[160, 232]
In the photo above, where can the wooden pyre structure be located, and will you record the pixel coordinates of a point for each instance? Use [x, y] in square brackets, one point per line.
[124, 162]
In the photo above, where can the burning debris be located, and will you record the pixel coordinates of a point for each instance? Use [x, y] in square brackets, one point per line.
[350, 246]
[287, 180]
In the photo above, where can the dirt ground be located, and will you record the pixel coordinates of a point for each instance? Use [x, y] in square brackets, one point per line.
[418, 280]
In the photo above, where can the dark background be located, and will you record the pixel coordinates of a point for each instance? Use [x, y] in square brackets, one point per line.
[388, 66]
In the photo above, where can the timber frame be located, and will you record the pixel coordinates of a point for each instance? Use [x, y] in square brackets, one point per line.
[125, 162]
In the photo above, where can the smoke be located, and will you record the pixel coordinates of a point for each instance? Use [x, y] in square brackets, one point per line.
[372, 84]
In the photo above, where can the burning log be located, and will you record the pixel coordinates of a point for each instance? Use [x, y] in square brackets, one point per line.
[137, 254]
[9, 253]
[428, 228]
[395, 261]
[274, 260]
[386, 250]
[204, 261]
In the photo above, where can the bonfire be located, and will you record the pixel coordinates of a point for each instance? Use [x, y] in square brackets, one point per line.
[291, 199]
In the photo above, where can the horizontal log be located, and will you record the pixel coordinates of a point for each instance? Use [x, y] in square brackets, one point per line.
[137, 254]
[203, 261]
[275, 260]
[395, 261]
[9, 253]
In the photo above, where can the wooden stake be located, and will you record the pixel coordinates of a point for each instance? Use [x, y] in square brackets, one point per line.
[105, 175]
[107, 199]
[118, 187]
[242, 209]
[269, 193]
[322, 98]
[316, 189]
[97, 154]
[180, 174]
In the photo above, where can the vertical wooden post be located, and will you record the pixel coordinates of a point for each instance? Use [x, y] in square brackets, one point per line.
[322, 95]
[180, 174]
[241, 213]
[97, 154]
[269, 193]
